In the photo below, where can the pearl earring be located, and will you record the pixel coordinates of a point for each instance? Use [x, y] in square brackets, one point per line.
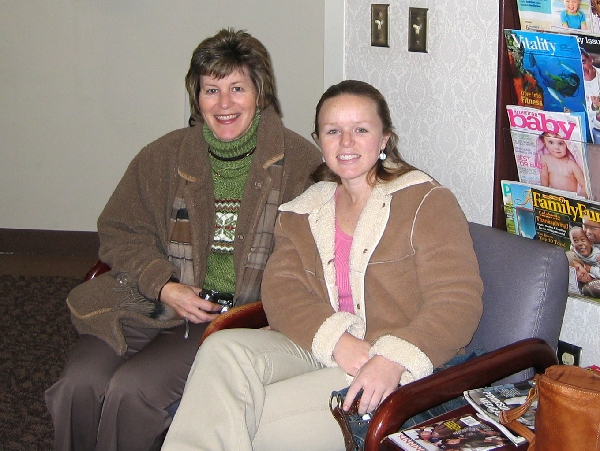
[382, 155]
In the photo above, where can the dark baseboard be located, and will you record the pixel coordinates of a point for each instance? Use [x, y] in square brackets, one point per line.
[48, 242]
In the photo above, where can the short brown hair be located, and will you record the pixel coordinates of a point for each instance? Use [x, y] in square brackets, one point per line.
[226, 52]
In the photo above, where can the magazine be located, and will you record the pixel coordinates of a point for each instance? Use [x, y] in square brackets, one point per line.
[570, 222]
[593, 166]
[535, 162]
[461, 433]
[594, 368]
[590, 59]
[518, 209]
[553, 15]
[490, 401]
[509, 210]
[538, 135]
[532, 120]
[546, 70]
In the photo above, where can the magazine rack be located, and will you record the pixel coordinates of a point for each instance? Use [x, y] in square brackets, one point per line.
[505, 167]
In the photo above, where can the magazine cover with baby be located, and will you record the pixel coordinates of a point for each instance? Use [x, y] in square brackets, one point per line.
[549, 148]
[570, 222]
[558, 15]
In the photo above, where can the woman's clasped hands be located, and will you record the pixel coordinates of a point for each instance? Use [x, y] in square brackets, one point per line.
[377, 376]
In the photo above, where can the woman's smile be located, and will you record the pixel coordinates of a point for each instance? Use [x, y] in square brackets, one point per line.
[346, 157]
[228, 104]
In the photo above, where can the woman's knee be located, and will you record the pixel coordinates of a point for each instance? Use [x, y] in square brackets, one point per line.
[229, 341]
[125, 384]
[87, 373]
[300, 406]
[226, 337]
[136, 384]
[89, 368]
[315, 430]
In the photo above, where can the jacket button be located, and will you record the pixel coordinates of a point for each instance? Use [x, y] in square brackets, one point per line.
[357, 306]
[123, 279]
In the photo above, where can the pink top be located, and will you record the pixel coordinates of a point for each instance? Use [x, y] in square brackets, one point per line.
[343, 242]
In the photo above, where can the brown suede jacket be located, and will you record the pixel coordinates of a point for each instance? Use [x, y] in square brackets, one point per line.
[413, 272]
[134, 225]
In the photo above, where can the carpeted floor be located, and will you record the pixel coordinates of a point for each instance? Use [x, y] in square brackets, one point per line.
[35, 337]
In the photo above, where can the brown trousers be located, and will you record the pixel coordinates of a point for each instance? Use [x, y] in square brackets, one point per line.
[107, 402]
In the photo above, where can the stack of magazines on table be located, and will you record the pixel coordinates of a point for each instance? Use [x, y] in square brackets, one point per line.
[481, 431]
[555, 132]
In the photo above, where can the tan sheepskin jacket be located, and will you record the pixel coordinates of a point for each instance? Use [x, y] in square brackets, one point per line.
[413, 272]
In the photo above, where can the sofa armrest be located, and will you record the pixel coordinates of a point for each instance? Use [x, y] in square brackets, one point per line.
[99, 268]
[249, 316]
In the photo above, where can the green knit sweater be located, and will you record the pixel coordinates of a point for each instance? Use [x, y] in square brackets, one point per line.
[230, 163]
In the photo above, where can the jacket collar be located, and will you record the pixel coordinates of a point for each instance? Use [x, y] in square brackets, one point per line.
[193, 162]
[317, 195]
[319, 204]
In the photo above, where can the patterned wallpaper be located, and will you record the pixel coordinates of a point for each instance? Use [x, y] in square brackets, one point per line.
[443, 101]
[443, 107]
[580, 327]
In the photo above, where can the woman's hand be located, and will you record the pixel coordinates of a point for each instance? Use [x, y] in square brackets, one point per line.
[185, 301]
[351, 353]
[377, 379]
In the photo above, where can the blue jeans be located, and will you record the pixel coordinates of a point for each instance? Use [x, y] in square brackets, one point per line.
[359, 426]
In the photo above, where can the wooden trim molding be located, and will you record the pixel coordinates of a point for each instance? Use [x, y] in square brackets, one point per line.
[54, 242]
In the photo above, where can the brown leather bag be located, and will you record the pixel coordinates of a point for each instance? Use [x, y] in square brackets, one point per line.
[568, 411]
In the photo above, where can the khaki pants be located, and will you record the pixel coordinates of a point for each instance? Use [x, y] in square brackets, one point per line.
[256, 390]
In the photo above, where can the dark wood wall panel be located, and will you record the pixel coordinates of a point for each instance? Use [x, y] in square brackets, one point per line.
[505, 167]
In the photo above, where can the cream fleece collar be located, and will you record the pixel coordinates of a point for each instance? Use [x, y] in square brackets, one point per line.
[318, 202]
[320, 193]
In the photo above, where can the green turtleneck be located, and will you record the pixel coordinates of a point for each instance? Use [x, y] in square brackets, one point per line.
[229, 179]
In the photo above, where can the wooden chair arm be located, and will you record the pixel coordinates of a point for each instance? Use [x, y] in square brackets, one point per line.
[433, 390]
[99, 268]
[250, 316]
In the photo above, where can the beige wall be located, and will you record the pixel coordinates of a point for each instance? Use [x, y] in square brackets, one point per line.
[85, 84]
